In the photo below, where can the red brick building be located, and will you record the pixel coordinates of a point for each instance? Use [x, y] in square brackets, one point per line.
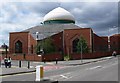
[62, 29]
[21, 42]
[100, 44]
[115, 42]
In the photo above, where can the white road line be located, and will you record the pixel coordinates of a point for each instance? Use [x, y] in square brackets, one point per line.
[94, 67]
[64, 76]
[110, 65]
[59, 76]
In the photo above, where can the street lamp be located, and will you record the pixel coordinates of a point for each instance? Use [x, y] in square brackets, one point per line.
[37, 35]
[5, 47]
[108, 39]
[81, 52]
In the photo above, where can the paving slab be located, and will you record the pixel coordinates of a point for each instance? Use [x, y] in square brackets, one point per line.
[12, 70]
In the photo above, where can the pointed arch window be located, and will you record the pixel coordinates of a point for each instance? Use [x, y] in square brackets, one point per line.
[32, 49]
[74, 45]
[18, 47]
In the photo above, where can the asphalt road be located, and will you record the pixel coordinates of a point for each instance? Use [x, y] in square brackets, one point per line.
[106, 70]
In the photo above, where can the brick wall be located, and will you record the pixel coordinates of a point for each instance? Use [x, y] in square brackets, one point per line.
[115, 42]
[90, 55]
[53, 56]
[100, 45]
[21, 36]
[32, 57]
[31, 44]
[28, 42]
[58, 41]
[71, 34]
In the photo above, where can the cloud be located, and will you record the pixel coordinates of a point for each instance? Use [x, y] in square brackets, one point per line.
[98, 16]
[18, 16]
[5, 28]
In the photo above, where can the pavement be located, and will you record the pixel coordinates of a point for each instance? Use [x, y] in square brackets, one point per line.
[15, 69]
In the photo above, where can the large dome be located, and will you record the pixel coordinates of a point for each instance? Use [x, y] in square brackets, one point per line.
[59, 15]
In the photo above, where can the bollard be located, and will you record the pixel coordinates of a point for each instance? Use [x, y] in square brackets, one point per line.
[39, 73]
[28, 64]
[56, 60]
[44, 60]
[19, 63]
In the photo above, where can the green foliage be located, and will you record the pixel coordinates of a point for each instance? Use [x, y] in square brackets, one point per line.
[47, 45]
[82, 44]
[14, 54]
[66, 57]
[37, 48]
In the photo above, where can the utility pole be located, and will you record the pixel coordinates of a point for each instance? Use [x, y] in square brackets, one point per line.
[81, 52]
[5, 47]
[108, 40]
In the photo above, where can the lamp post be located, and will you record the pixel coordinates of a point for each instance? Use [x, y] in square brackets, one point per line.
[81, 52]
[5, 47]
[37, 35]
[108, 39]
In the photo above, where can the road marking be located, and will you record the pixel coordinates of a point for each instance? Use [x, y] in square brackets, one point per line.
[95, 67]
[48, 68]
[109, 57]
[64, 76]
[56, 77]
[110, 65]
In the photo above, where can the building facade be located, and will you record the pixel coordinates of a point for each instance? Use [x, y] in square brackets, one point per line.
[58, 24]
[115, 42]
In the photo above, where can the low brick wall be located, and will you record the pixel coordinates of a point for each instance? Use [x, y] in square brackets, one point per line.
[58, 56]
[90, 55]
[52, 57]
[33, 57]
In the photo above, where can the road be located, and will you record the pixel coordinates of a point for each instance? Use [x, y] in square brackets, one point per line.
[106, 70]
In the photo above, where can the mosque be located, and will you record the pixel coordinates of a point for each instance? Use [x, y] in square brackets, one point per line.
[59, 24]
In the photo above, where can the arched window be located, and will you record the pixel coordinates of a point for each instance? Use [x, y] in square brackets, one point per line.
[32, 49]
[74, 45]
[18, 47]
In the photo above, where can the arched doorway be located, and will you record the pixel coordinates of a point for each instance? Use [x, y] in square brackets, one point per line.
[74, 45]
[18, 47]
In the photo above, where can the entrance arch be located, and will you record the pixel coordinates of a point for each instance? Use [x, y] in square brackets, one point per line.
[74, 45]
[18, 47]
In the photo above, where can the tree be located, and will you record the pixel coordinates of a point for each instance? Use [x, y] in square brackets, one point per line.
[82, 42]
[45, 46]
[4, 46]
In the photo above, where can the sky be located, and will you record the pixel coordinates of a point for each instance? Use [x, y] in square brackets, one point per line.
[15, 16]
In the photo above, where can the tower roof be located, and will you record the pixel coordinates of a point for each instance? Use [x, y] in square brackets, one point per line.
[59, 14]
